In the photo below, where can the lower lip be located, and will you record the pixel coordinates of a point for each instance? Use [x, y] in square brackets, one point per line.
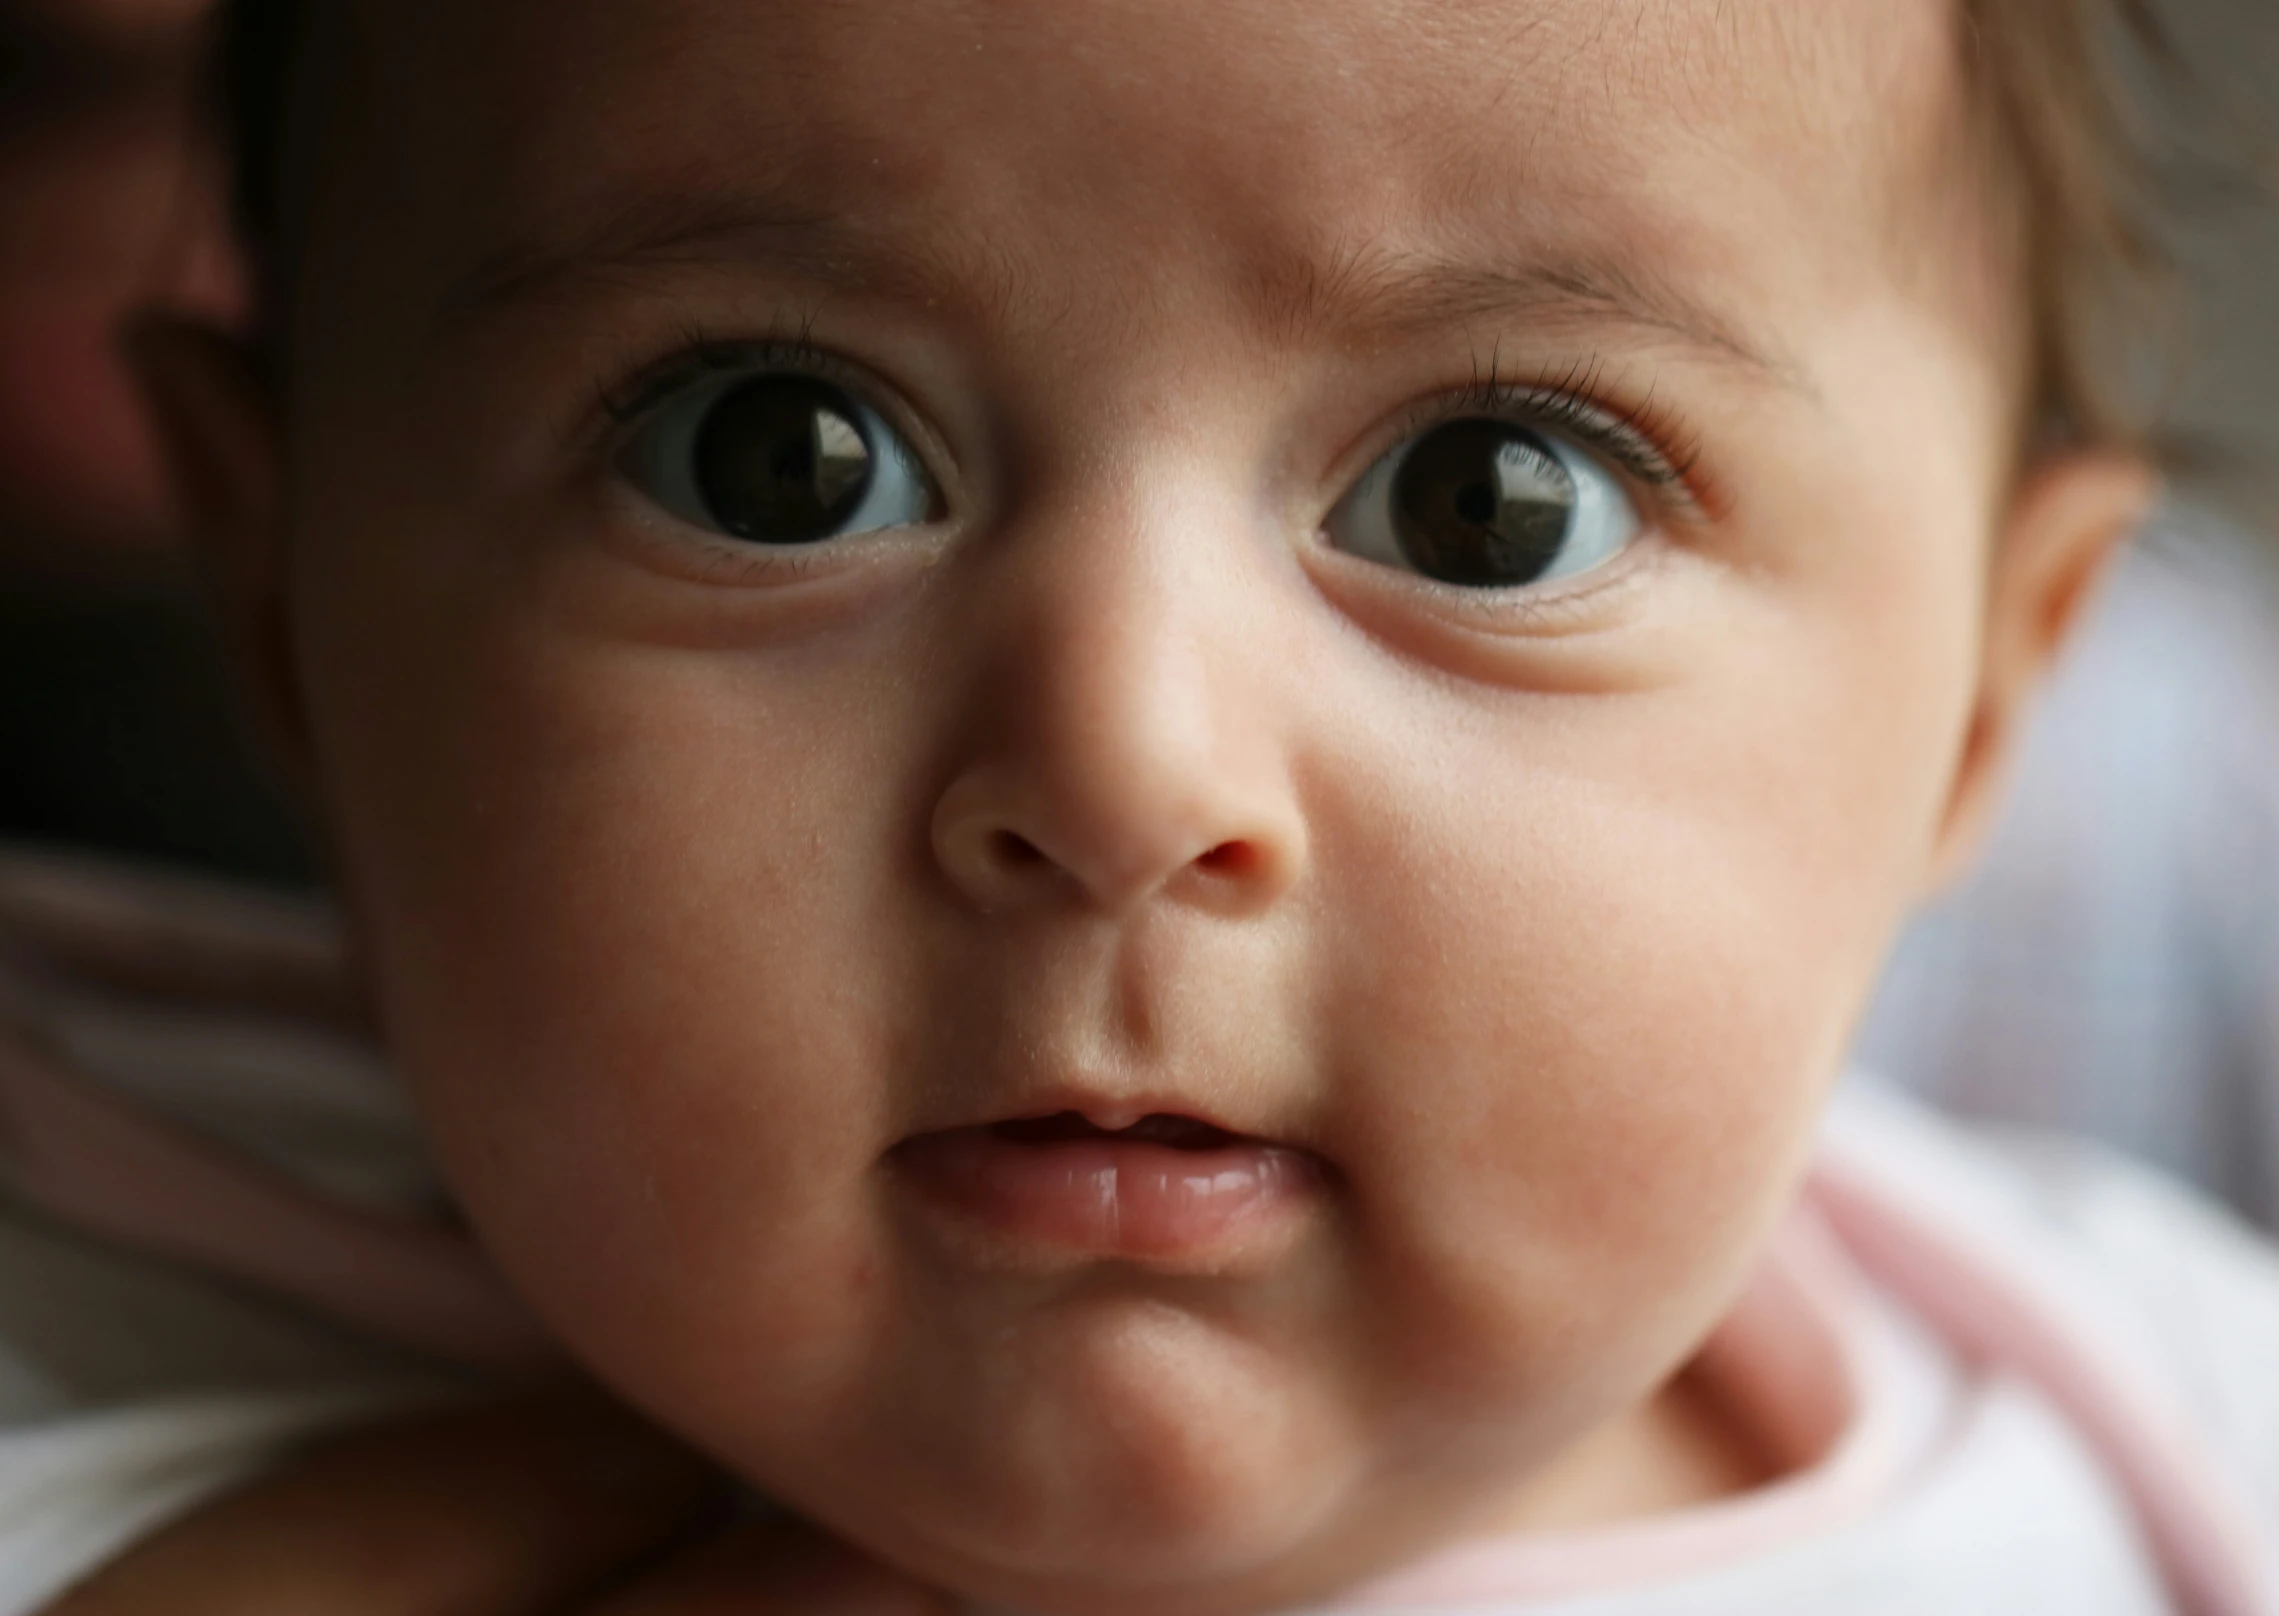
[1112, 1198]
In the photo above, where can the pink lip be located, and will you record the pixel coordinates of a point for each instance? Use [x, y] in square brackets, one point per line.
[1165, 1188]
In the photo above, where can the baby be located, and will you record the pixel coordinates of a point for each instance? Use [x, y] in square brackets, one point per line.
[1118, 777]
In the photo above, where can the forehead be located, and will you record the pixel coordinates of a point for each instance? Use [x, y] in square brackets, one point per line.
[1277, 135]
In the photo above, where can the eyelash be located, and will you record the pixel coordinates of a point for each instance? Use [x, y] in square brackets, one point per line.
[701, 354]
[1648, 444]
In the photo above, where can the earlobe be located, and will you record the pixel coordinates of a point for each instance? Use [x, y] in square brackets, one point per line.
[216, 419]
[2068, 520]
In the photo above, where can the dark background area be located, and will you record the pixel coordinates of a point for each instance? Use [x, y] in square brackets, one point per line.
[118, 729]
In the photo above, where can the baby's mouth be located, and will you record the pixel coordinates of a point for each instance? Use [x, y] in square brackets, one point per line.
[1165, 1188]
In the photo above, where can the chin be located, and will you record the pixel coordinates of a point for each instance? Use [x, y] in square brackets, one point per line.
[1088, 1556]
[1131, 1457]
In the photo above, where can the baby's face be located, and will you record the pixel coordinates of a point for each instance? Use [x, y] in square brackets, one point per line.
[1389, 593]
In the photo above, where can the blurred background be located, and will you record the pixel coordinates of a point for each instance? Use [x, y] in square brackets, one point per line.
[2113, 970]
[116, 729]
[2229, 396]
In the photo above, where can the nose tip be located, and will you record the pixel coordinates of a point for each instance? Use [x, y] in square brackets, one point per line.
[1003, 848]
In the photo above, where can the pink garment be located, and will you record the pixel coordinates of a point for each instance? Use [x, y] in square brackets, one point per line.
[92, 1161]
[1998, 1299]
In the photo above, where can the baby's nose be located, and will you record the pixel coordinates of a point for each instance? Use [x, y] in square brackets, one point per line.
[1125, 745]
[1008, 838]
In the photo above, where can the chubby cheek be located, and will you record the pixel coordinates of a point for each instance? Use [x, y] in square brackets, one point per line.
[1592, 994]
[632, 909]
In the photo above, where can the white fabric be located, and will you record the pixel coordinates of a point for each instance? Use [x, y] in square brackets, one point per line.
[2007, 1515]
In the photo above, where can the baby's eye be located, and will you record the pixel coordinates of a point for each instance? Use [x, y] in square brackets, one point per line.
[777, 457]
[1486, 504]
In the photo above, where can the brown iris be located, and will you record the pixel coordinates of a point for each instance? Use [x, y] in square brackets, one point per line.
[782, 460]
[1482, 503]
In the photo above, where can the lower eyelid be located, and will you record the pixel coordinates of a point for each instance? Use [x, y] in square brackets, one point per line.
[1587, 604]
[657, 542]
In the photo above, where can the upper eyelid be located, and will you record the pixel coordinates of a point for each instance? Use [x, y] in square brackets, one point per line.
[662, 379]
[1670, 473]
[627, 405]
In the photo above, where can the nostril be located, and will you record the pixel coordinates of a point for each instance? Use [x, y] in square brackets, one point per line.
[1014, 850]
[1234, 859]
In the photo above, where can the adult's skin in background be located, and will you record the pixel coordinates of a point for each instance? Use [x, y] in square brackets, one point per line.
[115, 716]
[104, 203]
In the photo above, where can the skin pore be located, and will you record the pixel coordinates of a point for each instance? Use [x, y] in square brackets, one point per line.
[1513, 934]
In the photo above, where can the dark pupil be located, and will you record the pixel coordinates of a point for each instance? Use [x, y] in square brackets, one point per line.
[781, 459]
[1484, 503]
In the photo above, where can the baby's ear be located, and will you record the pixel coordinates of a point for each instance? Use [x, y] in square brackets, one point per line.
[216, 415]
[2068, 519]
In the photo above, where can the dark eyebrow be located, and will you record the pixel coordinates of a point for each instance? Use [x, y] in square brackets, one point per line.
[1397, 293]
[1365, 292]
[655, 228]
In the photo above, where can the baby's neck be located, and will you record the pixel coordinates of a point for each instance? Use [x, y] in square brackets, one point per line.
[1685, 1446]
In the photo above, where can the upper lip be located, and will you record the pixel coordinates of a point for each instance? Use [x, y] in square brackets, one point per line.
[1157, 1127]
[1167, 1118]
